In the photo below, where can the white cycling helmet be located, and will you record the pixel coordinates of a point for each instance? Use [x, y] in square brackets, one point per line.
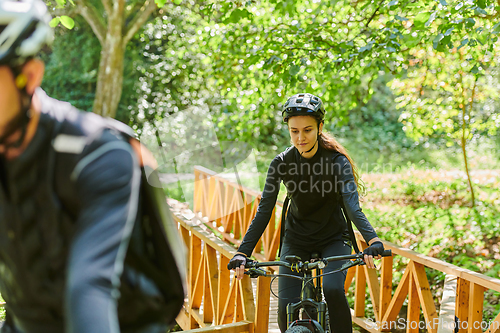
[24, 30]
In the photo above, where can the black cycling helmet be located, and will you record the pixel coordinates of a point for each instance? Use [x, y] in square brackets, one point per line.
[24, 30]
[303, 104]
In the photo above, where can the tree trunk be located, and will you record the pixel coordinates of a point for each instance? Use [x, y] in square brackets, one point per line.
[113, 33]
[464, 142]
[110, 76]
[464, 137]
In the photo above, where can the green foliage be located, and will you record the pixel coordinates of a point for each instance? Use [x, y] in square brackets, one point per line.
[373, 134]
[70, 74]
[430, 217]
[276, 48]
[172, 66]
[2, 310]
[442, 97]
[67, 21]
[426, 213]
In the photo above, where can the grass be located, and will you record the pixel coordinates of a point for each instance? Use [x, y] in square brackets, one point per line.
[429, 212]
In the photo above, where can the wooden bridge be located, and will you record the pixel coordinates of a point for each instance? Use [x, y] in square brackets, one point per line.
[215, 302]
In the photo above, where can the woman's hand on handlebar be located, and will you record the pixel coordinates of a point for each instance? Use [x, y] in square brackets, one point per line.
[237, 263]
[375, 250]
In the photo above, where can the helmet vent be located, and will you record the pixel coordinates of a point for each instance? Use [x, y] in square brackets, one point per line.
[303, 104]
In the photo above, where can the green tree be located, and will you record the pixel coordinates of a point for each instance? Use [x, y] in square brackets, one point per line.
[445, 96]
[114, 23]
[332, 48]
[71, 75]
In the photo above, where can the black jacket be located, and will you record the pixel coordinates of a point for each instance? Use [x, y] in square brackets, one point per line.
[314, 186]
[68, 206]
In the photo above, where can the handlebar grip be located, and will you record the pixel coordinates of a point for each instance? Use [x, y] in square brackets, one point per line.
[250, 263]
[387, 253]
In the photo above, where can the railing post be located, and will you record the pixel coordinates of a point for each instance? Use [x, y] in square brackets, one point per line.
[385, 285]
[212, 199]
[413, 313]
[462, 305]
[197, 202]
[223, 287]
[475, 308]
[195, 285]
[262, 304]
[360, 292]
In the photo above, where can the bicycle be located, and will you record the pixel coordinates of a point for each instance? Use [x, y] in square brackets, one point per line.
[311, 297]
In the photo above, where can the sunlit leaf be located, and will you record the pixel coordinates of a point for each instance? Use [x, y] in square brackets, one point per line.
[463, 43]
[470, 22]
[294, 70]
[421, 18]
[54, 22]
[481, 11]
[481, 3]
[67, 21]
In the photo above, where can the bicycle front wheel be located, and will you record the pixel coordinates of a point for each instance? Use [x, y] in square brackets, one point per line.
[298, 329]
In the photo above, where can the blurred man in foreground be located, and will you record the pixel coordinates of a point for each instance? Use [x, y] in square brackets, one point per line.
[86, 244]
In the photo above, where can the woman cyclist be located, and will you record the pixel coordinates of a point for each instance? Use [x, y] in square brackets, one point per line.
[319, 176]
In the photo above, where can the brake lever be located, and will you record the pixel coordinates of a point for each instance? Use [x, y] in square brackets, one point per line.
[353, 263]
[255, 272]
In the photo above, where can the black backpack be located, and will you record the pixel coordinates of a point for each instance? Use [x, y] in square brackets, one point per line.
[152, 286]
[152, 253]
[155, 252]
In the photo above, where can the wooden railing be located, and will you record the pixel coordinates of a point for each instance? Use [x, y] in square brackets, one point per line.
[231, 207]
[213, 299]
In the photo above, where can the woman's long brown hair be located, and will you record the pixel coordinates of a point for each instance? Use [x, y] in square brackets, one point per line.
[328, 142]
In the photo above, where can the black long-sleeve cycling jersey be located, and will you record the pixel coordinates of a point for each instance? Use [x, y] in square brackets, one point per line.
[314, 187]
[68, 204]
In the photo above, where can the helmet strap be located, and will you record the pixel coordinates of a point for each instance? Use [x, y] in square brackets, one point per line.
[314, 145]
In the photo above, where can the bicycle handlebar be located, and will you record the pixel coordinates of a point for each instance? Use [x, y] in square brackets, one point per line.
[310, 265]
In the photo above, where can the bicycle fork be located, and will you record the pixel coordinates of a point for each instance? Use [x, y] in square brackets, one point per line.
[310, 298]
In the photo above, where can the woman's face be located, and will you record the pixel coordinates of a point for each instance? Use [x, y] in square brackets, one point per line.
[304, 133]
